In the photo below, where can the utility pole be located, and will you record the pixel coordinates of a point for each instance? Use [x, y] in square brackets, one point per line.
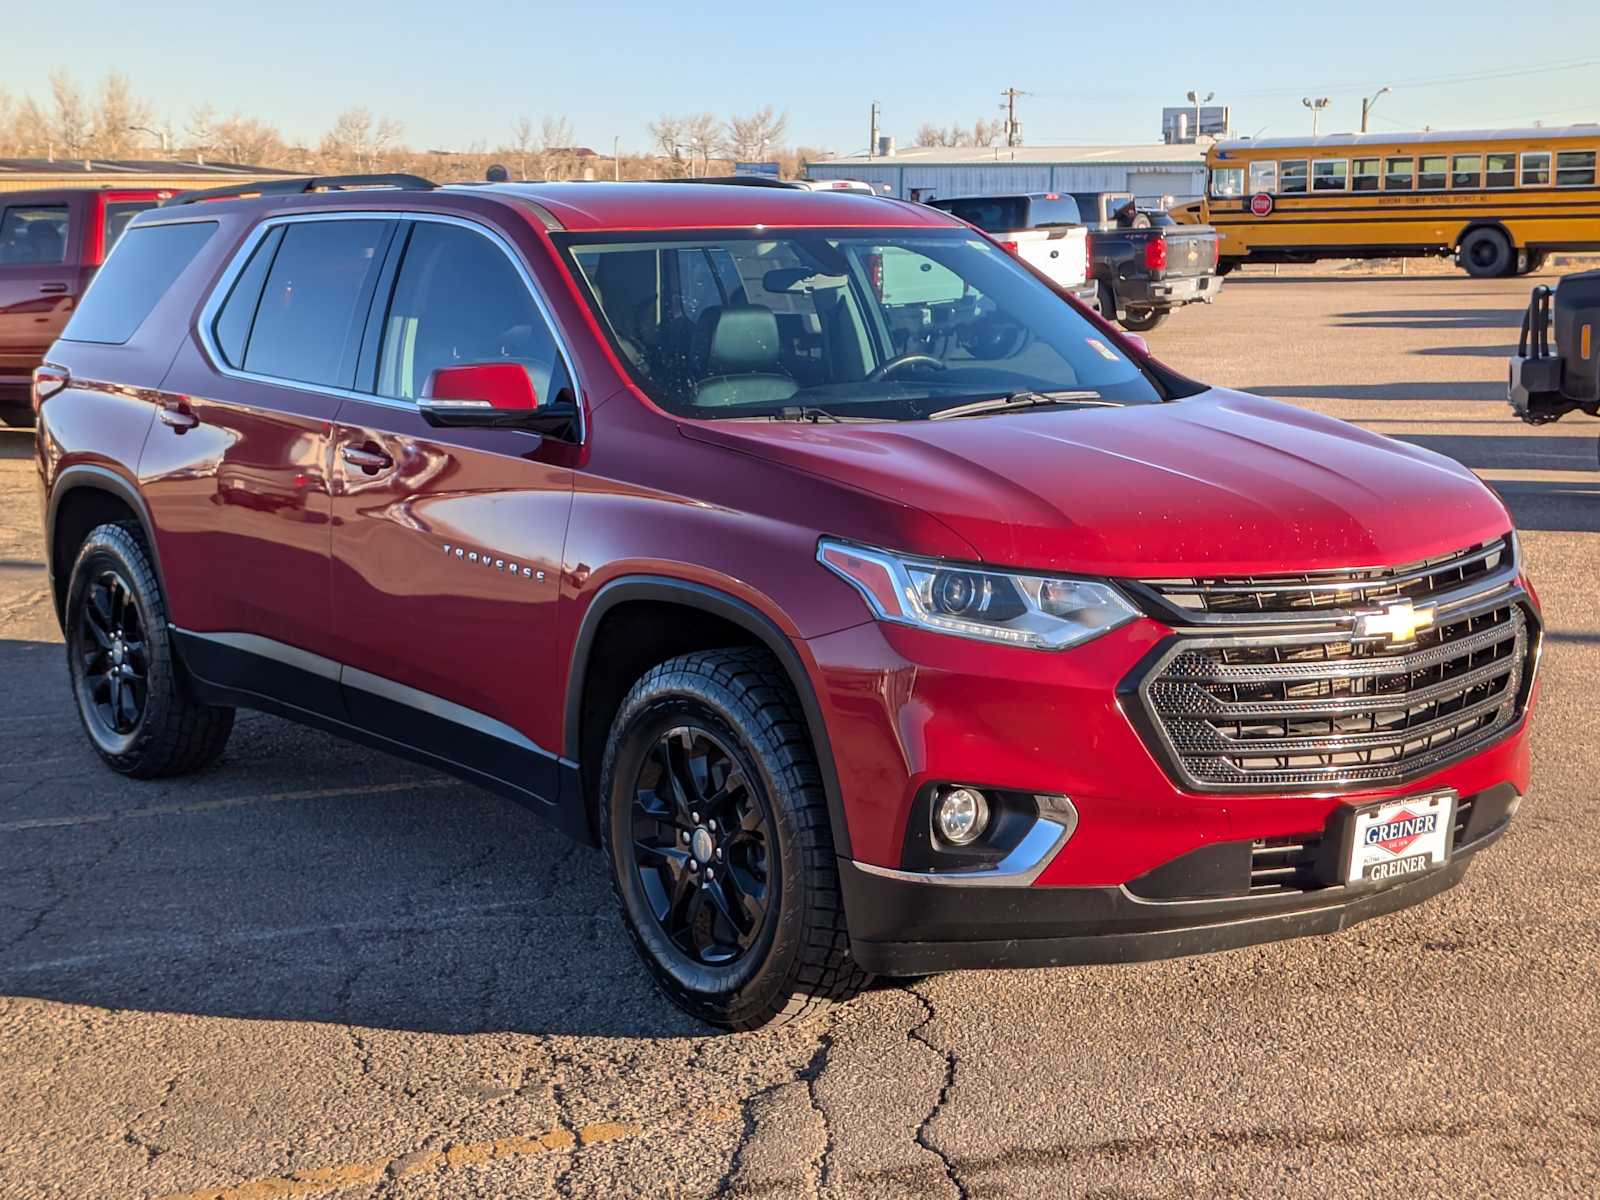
[872, 136]
[1013, 130]
[1367, 105]
[1316, 106]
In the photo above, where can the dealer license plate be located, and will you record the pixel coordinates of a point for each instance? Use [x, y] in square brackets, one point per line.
[1400, 838]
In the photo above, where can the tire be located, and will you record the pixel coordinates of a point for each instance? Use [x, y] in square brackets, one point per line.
[1534, 262]
[721, 732]
[1486, 254]
[1106, 301]
[134, 703]
[1144, 320]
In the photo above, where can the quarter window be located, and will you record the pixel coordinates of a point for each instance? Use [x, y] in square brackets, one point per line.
[315, 301]
[1364, 175]
[1431, 172]
[33, 235]
[1575, 168]
[1292, 176]
[238, 313]
[1398, 174]
[1263, 177]
[118, 214]
[148, 261]
[1466, 171]
[458, 299]
[1536, 168]
[1500, 170]
[1329, 175]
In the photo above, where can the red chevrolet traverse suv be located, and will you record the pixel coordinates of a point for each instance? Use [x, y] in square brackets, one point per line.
[874, 608]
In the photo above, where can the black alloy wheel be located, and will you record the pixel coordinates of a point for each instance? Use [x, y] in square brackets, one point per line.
[701, 846]
[114, 682]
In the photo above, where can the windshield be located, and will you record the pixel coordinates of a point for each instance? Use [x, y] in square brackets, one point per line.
[882, 324]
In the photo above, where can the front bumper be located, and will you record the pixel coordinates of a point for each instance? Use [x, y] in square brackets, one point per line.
[901, 926]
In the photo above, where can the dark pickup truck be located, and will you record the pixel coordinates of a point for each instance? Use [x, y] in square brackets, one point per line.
[1144, 263]
[51, 244]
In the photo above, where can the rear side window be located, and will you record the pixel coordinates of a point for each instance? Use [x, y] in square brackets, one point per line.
[33, 234]
[148, 260]
[992, 214]
[232, 327]
[118, 214]
[315, 301]
[457, 300]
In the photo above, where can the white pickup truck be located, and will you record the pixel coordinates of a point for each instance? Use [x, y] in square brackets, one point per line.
[1043, 229]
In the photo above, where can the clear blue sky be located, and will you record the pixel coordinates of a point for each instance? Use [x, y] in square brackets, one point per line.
[455, 73]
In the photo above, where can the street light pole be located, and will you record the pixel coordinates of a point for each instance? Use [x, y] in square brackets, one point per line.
[1194, 99]
[1367, 105]
[616, 160]
[1316, 106]
[160, 133]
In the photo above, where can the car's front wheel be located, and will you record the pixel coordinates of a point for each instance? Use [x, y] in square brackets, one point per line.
[133, 700]
[716, 828]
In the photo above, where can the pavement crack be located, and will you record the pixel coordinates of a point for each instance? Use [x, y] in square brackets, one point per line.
[811, 1075]
[917, 1034]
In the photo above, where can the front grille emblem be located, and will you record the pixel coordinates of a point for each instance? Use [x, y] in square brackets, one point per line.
[1398, 624]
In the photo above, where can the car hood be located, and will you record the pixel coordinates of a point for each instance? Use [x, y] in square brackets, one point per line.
[1219, 483]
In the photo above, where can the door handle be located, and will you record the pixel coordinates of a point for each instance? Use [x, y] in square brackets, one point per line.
[53, 289]
[178, 417]
[369, 460]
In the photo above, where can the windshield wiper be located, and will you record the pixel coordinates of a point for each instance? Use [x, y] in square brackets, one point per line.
[1019, 400]
[805, 413]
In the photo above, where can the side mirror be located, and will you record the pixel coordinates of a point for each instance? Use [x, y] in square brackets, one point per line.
[1139, 344]
[494, 395]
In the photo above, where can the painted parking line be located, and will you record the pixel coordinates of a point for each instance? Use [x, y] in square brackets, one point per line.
[321, 1181]
[204, 806]
[193, 945]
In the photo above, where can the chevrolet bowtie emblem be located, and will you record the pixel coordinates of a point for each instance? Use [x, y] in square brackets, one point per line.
[1397, 623]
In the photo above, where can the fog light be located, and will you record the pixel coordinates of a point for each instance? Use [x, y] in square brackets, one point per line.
[960, 815]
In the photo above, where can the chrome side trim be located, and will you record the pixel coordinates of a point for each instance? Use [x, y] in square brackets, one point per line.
[207, 319]
[1018, 869]
[376, 685]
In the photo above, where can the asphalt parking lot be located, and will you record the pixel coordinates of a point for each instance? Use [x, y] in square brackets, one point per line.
[316, 971]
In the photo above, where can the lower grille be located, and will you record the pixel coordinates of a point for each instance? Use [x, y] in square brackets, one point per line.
[1329, 709]
[1292, 864]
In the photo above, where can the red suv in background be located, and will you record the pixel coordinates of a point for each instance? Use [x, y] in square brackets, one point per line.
[874, 608]
[51, 244]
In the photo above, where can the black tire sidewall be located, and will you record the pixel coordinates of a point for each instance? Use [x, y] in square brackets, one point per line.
[112, 548]
[1142, 320]
[1505, 257]
[743, 993]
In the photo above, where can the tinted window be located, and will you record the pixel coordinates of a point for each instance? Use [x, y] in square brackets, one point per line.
[1575, 168]
[1398, 174]
[1328, 175]
[1364, 175]
[1536, 168]
[33, 234]
[238, 314]
[1431, 172]
[992, 214]
[314, 302]
[459, 300]
[118, 214]
[1053, 209]
[126, 289]
[1292, 176]
[1466, 171]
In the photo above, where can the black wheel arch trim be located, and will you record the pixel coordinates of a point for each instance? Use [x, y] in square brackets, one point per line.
[104, 479]
[739, 612]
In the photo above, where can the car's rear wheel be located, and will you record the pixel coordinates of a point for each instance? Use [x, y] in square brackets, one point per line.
[1486, 254]
[716, 828]
[132, 699]
[1142, 320]
[1106, 301]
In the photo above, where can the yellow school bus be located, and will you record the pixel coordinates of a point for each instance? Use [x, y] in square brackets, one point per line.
[1499, 200]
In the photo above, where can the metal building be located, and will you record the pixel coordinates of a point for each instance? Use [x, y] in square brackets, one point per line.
[938, 172]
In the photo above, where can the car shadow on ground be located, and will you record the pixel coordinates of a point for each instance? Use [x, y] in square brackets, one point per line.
[16, 443]
[1439, 319]
[1437, 389]
[300, 879]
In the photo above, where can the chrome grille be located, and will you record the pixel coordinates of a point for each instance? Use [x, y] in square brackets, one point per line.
[1332, 591]
[1314, 705]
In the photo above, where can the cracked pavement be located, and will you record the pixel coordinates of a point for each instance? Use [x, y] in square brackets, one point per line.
[316, 971]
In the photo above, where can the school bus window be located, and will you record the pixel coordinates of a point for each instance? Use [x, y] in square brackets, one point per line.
[1536, 168]
[1431, 172]
[1328, 175]
[1500, 170]
[1466, 171]
[1292, 176]
[1364, 175]
[1263, 177]
[1398, 174]
[1227, 181]
[1575, 168]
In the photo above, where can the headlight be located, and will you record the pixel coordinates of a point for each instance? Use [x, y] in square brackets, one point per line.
[1041, 611]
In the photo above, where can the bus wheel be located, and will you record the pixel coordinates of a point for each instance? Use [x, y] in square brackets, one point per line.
[1486, 254]
[1535, 262]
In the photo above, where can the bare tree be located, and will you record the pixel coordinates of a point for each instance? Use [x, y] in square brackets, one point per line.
[116, 111]
[357, 141]
[246, 140]
[666, 135]
[557, 159]
[986, 133]
[69, 120]
[701, 132]
[753, 137]
[522, 145]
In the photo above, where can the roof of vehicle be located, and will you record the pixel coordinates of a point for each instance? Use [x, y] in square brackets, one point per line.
[1590, 130]
[596, 207]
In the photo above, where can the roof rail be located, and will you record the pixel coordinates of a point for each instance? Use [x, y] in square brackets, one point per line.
[302, 185]
[766, 181]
